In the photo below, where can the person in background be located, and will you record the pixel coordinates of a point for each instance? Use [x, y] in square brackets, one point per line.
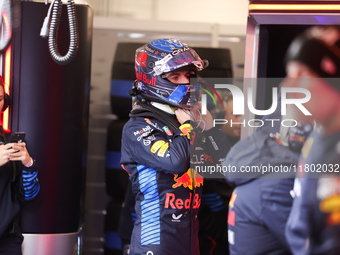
[157, 143]
[233, 132]
[261, 202]
[313, 63]
[18, 185]
[213, 213]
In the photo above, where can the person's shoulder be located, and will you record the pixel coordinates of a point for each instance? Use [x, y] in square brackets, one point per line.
[139, 125]
[138, 121]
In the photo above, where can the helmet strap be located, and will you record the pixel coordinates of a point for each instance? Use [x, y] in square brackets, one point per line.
[134, 93]
[164, 107]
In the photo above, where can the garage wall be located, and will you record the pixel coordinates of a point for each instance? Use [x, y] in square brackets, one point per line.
[213, 11]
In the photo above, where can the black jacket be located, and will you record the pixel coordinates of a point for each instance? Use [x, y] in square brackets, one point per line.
[14, 193]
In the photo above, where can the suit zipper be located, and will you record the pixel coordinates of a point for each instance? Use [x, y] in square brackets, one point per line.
[191, 208]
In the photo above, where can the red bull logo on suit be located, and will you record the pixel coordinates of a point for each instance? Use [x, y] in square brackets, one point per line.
[170, 200]
[191, 179]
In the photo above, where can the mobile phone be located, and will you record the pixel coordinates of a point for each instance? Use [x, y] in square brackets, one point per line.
[17, 136]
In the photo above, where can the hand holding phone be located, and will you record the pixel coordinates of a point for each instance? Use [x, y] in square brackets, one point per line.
[20, 152]
[5, 150]
[17, 136]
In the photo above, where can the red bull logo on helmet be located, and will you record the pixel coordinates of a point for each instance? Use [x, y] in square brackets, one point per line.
[191, 179]
[142, 58]
[143, 77]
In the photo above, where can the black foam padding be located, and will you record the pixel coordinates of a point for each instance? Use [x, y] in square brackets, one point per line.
[123, 75]
[114, 135]
[128, 215]
[121, 106]
[125, 52]
[112, 241]
[220, 64]
[123, 71]
[116, 178]
[113, 211]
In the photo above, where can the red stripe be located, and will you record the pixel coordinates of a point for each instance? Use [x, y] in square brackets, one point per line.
[213, 91]
[125, 169]
[211, 252]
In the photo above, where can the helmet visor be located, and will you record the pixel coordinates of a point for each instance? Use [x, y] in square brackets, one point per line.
[177, 59]
[183, 96]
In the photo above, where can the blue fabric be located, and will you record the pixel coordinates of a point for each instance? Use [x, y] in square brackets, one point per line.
[33, 193]
[134, 217]
[260, 211]
[214, 201]
[30, 184]
[308, 229]
[150, 229]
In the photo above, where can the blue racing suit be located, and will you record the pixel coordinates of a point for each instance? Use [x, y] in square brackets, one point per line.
[313, 226]
[167, 191]
[261, 202]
